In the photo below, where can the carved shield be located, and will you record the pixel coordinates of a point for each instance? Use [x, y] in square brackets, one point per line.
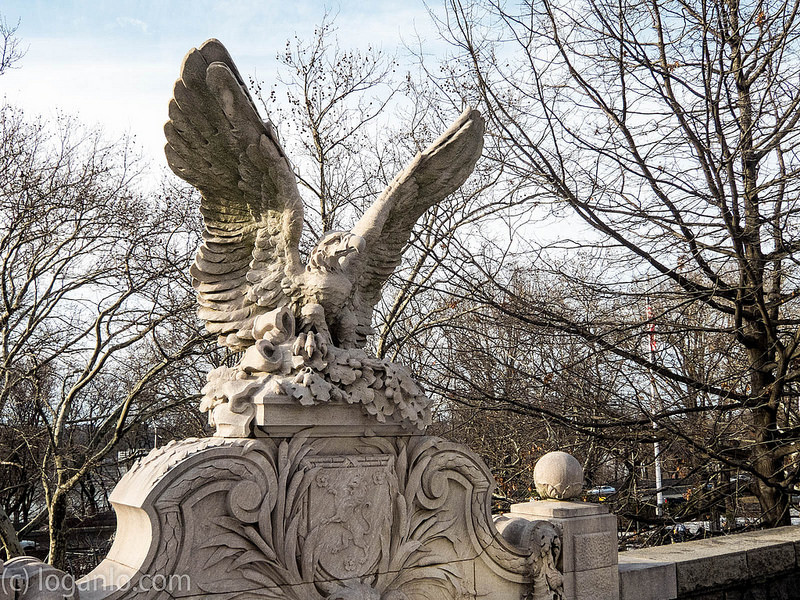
[349, 512]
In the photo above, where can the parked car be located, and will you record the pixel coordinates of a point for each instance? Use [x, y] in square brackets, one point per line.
[601, 492]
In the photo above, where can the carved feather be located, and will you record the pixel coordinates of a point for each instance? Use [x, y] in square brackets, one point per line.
[251, 208]
[249, 263]
[430, 177]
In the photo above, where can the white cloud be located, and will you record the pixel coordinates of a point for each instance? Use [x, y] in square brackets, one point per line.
[130, 22]
[116, 78]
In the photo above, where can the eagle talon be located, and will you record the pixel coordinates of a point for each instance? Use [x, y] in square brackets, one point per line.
[299, 344]
[311, 345]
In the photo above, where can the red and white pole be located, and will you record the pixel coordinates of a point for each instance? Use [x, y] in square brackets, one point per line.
[655, 407]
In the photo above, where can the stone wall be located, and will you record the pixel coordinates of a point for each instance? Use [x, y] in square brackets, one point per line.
[747, 566]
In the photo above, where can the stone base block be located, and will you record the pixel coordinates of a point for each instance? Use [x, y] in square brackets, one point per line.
[589, 538]
[315, 517]
[592, 584]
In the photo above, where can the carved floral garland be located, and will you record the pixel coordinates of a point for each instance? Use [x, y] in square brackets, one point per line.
[311, 371]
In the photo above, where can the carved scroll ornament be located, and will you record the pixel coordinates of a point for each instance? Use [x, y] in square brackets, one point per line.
[318, 518]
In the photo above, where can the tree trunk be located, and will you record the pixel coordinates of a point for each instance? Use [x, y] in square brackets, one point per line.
[774, 505]
[774, 500]
[8, 535]
[57, 529]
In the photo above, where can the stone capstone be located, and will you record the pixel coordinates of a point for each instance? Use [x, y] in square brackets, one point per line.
[28, 578]
[558, 476]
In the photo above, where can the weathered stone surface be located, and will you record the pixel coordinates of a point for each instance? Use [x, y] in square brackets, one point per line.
[594, 550]
[574, 531]
[727, 565]
[768, 560]
[315, 517]
[558, 509]
[592, 584]
[646, 579]
[558, 476]
[296, 389]
[589, 544]
[28, 578]
[542, 541]
[695, 573]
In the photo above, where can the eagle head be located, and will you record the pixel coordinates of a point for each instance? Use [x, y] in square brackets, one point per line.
[334, 252]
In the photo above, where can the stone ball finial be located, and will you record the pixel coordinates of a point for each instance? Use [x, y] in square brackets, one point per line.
[558, 476]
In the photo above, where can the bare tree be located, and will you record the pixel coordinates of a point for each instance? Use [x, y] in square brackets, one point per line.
[330, 103]
[350, 124]
[670, 129]
[537, 388]
[10, 50]
[97, 326]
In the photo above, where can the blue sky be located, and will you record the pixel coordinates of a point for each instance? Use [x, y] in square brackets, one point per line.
[114, 63]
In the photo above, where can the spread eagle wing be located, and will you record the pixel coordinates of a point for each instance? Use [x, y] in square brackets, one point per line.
[253, 214]
[386, 226]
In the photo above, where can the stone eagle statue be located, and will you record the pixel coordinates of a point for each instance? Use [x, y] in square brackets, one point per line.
[302, 325]
[249, 263]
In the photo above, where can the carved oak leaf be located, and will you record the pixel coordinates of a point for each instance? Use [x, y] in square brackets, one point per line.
[301, 393]
[249, 263]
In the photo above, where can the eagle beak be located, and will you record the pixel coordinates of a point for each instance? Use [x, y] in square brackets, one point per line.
[354, 244]
[357, 243]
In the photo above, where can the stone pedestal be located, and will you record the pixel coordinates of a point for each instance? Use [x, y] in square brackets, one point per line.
[317, 517]
[589, 545]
